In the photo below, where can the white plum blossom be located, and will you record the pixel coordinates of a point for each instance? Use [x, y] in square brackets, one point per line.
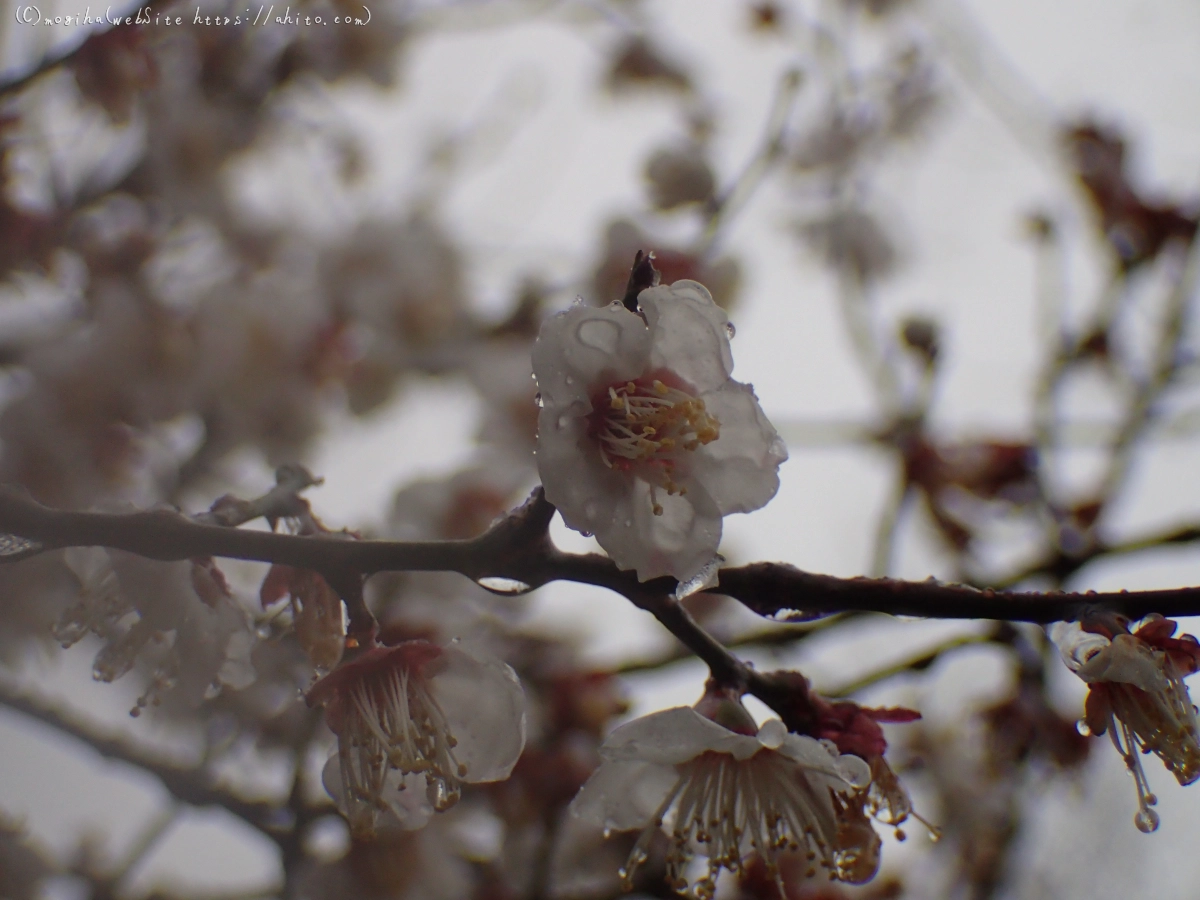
[1137, 695]
[726, 794]
[414, 722]
[643, 438]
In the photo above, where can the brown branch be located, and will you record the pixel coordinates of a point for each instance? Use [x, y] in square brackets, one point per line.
[519, 548]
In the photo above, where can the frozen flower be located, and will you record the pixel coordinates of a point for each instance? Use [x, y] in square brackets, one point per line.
[725, 790]
[853, 730]
[643, 438]
[413, 723]
[1136, 693]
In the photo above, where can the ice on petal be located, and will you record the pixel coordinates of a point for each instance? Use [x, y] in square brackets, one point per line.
[772, 734]
[1076, 645]
[582, 349]
[689, 334]
[702, 580]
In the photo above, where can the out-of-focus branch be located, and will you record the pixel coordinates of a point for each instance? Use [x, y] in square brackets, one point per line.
[192, 786]
[917, 663]
[1062, 566]
[731, 201]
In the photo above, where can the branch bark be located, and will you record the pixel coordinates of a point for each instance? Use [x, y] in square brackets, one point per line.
[519, 548]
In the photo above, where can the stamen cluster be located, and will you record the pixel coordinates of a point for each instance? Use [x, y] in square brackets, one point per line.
[648, 423]
[399, 714]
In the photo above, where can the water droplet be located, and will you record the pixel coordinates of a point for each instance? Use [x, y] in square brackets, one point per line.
[730, 331]
[537, 399]
[1082, 727]
[570, 379]
[440, 795]
[900, 835]
[508, 587]
[578, 301]
[563, 422]
[1146, 821]
[601, 334]
[586, 533]
[702, 580]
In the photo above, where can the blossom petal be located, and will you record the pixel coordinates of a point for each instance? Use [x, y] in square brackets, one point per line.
[574, 477]
[484, 706]
[584, 347]
[624, 794]
[674, 736]
[739, 470]
[1126, 660]
[678, 543]
[689, 332]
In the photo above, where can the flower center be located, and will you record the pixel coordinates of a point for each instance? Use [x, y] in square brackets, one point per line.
[393, 722]
[646, 423]
[724, 807]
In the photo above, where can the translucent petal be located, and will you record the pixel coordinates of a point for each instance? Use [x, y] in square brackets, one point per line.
[675, 736]
[484, 706]
[739, 470]
[678, 543]
[841, 770]
[583, 349]
[407, 807]
[1076, 645]
[624, 794]
[1127, 659]
[689, 334]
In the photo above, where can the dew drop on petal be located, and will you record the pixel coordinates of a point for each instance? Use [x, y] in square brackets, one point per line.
[504, 586]
[1146, 821]
[730, 331]
[537, 399]
[1082, 727]
[599, 334]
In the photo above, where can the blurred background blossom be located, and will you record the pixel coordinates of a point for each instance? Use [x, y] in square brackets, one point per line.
[955, 239]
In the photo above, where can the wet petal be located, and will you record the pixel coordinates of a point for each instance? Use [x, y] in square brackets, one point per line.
[584, 347]
[624, 794]
[484, 706]
[739, 470]
[689, 334]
